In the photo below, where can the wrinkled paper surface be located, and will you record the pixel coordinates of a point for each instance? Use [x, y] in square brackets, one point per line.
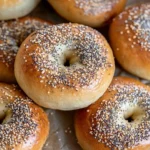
[62, 136]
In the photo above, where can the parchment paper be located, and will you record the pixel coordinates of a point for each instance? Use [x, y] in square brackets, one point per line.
[62, 136]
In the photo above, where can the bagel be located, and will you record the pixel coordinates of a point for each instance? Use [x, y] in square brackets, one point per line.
[12, 34]
[70, 65]
[94, 13]
[119, 120]
[24, 125]
[130, 40]
[13, 9]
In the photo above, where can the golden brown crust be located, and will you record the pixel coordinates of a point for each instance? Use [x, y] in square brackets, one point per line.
[26, 18]
[88, 127]
[7, 73]
[129, 40]
[42, 69]
[13, 34]
[93, 14]
[28, 125]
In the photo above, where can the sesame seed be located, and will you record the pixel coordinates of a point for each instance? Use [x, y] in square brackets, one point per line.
[82, 43]
[12, 34]
[138, 22]
[21, 125]
[108, 123]
[95, 7]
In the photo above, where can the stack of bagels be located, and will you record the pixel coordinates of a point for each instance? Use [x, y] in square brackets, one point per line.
[71, 66]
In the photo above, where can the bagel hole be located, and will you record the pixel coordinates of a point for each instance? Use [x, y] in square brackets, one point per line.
[67, 63]
[2, 118]
[70, 59]
[3, 112]
[129, 119]
[133, 114]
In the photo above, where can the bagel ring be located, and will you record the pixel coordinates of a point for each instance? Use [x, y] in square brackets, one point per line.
[119, 120]
[70, 65]
[24, 125]
[94, 13]
[130, 40]
[12, 34]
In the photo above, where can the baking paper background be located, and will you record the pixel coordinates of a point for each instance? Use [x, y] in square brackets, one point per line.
[62, 136]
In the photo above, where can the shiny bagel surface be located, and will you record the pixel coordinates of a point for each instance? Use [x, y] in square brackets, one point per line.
[130, 40]
[24, 125]
[70, 65]
[88, 12]
[119, 120]
[13, 33]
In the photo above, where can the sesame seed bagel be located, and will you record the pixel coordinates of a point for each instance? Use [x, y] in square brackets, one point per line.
[119, 120]
[12, 9]
[12, 34]
[92, 13]
[24, 125]
[70, 65]
[130, 39]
